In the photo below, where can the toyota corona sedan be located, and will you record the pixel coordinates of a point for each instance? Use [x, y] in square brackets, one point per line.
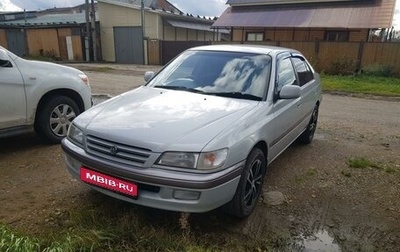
[200, 133]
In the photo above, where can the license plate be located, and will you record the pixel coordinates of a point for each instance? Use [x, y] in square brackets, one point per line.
[108, 182]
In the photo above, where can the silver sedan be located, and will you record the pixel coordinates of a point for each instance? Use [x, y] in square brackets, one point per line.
[201, 133]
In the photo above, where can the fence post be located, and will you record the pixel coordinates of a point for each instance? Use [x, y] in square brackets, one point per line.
[316, 49]
[359, 56]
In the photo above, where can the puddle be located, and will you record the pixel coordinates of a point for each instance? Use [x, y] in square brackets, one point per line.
[320, 241]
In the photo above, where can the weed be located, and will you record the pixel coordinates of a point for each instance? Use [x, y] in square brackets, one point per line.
[346, 173]
[311, 172]
[306, 175]
[362, 163]
[184, 222]
[390, 170]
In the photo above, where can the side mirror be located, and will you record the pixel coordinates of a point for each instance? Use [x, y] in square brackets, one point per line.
[3, 55]
[4, 59]
[290, 92]
[148, 75]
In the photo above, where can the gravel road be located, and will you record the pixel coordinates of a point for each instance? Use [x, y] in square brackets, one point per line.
[327, 206]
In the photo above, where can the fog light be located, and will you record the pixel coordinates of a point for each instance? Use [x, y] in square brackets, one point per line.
[186, 195]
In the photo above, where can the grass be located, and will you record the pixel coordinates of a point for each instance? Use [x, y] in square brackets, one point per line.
[370, 85]
[362, 163]
[12, 242]
[309, 173]
[118, 226]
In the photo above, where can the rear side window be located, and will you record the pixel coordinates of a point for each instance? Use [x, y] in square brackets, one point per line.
[304, 72]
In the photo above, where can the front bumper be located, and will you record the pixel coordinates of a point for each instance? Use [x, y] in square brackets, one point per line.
[159, 188]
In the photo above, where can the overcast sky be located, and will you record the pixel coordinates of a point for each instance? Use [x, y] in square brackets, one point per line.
[203, 8]
[196, 7]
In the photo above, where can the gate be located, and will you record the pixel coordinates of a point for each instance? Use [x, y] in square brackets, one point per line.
[128, 43]
[170, 49]
[16, 41]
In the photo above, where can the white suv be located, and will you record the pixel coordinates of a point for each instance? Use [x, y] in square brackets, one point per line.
[40, 95]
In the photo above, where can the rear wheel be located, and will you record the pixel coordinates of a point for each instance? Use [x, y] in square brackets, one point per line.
[308, 135]
[250, 186]
[55, 116]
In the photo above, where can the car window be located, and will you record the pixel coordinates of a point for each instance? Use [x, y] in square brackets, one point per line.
[217, 72]
[286, 74]
[304, 72]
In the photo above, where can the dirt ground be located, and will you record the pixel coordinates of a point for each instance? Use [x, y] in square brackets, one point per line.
[328, 206]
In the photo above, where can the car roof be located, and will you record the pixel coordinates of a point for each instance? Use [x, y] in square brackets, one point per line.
[260, 49]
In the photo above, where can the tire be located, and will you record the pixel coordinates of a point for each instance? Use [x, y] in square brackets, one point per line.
[308, 135]
[54, 117]
[250, 186]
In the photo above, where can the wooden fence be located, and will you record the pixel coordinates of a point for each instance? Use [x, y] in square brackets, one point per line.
[324, 55]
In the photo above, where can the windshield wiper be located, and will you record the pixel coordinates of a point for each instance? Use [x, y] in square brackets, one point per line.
[180, 88]
[235, 95]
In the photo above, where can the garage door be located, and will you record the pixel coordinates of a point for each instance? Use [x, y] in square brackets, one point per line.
[128, 45]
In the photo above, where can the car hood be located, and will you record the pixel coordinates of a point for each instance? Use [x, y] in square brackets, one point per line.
[39, 68]
[162, 120]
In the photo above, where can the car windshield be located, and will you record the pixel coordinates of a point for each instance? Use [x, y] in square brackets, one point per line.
[229, 74]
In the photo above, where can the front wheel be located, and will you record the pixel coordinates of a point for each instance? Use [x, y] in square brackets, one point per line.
[250, 186]
[54, 117]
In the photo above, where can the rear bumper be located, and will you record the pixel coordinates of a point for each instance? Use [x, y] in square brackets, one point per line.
[159, 188]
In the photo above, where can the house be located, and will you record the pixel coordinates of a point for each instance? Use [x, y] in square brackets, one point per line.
[306, 20]
[57, 33]
[132, 34]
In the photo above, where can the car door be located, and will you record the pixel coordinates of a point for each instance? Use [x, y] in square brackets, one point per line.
[307, 83]
[12, 93]
[287, 112]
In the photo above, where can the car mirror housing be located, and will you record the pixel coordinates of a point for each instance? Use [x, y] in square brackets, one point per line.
[4, 60]
[3, 55]
[148, 75]
[290, 92]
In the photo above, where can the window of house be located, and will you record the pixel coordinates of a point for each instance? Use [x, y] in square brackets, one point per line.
[254, 36]
[338, 36]
[303, 70]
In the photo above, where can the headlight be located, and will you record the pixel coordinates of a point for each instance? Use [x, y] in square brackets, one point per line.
[84, 78]
[201, 161]
[212, 160]
[75, 134]
[179, 159]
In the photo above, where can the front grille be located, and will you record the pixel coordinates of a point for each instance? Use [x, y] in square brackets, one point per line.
[116, 152]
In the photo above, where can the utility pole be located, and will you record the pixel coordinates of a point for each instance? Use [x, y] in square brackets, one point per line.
[87, 32]
[142, 21]
[94, 38]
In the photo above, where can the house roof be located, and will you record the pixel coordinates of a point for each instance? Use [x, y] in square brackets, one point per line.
[268, 2]
[360, 14]
[49, 20]
[176, 19]
[153, 4]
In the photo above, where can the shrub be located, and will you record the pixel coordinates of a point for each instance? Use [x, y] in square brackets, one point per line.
[341, 66]
[378, 70]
